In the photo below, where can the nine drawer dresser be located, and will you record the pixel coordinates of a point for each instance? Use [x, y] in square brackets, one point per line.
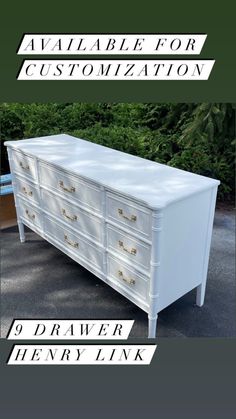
[142, 227]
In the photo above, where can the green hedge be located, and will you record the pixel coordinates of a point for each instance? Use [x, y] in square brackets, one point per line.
[195, 137]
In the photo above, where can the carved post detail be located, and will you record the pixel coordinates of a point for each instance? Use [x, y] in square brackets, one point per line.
[157, 220]
[19, 221]
[104, 231]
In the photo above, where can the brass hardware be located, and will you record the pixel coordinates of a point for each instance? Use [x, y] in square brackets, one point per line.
[32, 216]
[131, 218]
[24, 167]
[24, 190]
[129, 281]
[71, 243]
[72, 218]
[132, 251]
[61, 184]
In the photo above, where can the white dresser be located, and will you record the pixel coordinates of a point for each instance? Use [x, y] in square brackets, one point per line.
[142, 227]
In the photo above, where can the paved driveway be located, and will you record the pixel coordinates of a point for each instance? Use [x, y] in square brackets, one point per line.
[39, 281]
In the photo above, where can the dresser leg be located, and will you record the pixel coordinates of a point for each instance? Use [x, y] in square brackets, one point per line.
[201, 289]
[21, 231]
[152, 324]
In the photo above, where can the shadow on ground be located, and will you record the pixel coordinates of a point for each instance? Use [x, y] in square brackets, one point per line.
[39, 281]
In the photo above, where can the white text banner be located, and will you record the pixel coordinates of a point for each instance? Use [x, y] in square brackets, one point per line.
[81, 354]
[91, 44]
[70, 329]
[116, 69]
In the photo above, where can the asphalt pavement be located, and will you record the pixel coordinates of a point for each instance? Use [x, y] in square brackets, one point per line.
[39, 281]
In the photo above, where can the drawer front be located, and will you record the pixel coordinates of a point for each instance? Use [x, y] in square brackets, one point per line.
[73, 216]
[132, 249]
[24, 165]
[27, 190]
[30, 214]
[73, 242]
[71, 187]
[129, 214]
[128, 278]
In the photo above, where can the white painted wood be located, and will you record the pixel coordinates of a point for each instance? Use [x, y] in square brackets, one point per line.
[27, 190]
[141, 227]
[70, 186]
[72, 215]
[74, 242]
[129, 248]
[129, 214]
[125, 229]
[24, 165]
[200, 295]
[201, 289]
[21, 231]
[75, 256]
[127, 278]
[19, 221]
[155, 272]
[152, 183]
[152, 325]
[104, 230]
[183, 246]
[30, 213]
[99, 273]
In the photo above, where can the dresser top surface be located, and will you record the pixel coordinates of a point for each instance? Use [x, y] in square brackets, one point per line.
[155, 184]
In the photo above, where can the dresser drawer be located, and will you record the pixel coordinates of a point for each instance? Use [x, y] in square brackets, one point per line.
[70, 186]
[30, 214]
[24, 165]
[73, 242]
[27, 190]
[72, 215]
[134, 250]
[129, 214]
[127, 278]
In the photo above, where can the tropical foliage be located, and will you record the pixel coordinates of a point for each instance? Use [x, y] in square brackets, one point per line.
[195, 137]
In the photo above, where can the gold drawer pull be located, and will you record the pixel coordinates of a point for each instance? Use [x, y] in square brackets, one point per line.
[61, 184]
[70, 242]
[29, 193]
[129, 281]
[72, 218]
[31, 216]
[24, 167]
[131, 218]
[132, 251]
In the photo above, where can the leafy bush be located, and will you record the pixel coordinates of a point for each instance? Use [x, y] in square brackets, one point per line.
[12, 127]
[120, 138]
[195, 137]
